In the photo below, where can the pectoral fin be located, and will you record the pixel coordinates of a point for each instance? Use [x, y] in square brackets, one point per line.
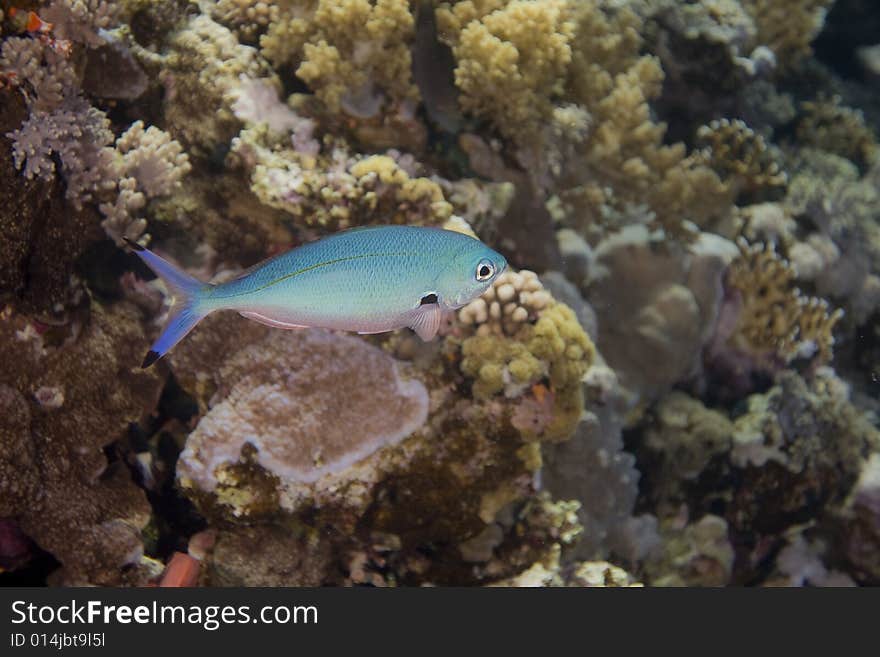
[427, 321]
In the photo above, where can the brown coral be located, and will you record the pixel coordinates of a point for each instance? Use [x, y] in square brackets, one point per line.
[54, 475]
[775, 320]
[830, 126]
[740, 156]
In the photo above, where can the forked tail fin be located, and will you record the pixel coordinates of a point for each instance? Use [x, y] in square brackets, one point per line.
[187, 310]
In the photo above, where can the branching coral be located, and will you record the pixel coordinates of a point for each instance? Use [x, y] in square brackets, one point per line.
[830, 126]
[351, 53]
[512, 63]
[775, 322]
[76, 133]
[740, 156]
[147, 164]
[787, 28]
[837, 205]
[201, 73]
[626, 160]
[630, 164]
[81, 20]
[581, 123]
[248, 18]
[48, 72]
[62, 124]
[67, 138]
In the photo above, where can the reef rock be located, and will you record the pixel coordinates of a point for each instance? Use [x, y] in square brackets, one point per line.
[60, 405]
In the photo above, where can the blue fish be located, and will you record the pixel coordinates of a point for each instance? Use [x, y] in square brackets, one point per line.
[368, 280]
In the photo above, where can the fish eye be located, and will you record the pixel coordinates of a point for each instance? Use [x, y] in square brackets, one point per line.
[485, 270]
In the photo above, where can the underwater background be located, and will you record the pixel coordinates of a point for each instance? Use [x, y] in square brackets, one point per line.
[675, 383]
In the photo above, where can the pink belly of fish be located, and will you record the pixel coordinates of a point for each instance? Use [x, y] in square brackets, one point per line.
[279, 319]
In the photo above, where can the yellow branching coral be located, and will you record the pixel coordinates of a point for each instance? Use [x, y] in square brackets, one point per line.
[513, 62]
[740, 155]
[776, 322]
[453, 17]
[787, 27]
[604, 46]
[531, 67]
[625, 162]
[544, 358]
[838, 129]
[347, 51]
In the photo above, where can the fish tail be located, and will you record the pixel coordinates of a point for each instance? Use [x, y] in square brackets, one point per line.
[187, 311]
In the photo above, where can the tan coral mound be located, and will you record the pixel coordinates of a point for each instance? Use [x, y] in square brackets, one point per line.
[514, 299]
[306, 404]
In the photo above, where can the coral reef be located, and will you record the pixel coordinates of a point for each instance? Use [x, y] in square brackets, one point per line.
[248, 461]
[147, 164]
[547, 345]
[674, 383]
[793, 460]
[199, 73]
